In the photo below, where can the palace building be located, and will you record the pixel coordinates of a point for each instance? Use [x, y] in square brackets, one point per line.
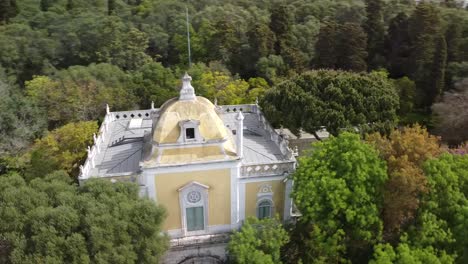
[209, 165]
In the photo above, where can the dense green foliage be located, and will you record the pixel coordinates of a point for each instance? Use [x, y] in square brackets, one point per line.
[50, 220]
[69, 58]
[334, 99]
[339, 64]
[392, 201]
[338, 188]
[258, 242]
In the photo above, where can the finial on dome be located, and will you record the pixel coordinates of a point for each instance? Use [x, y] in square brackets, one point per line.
[152, 105]
[107, 109]
[216, 101]
[187, 92]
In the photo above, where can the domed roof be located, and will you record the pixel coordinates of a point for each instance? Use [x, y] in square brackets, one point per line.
[188, 107]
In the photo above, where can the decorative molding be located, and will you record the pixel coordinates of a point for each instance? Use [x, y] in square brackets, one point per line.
[256, 170]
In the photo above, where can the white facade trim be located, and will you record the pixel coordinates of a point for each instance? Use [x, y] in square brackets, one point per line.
[212, 165]
[241, 202]
[185, 203]
[287, 200]
[262, 179]
[234, 196]
[214, 229]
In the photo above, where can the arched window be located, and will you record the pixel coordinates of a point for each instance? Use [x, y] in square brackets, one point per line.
[264, 209]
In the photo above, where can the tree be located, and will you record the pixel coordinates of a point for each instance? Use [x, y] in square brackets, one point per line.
[398, 46]
[451, 114]
[228, 90]
[271, 68]
[325, 47]
[334, 99]
[50, 220]
[338, 188]
[407, 92]
[424, 28]
[62, 149]
[20, 121]
[375, 29]
[341, 46]
[405, 151]
[405, 253]
[8, 9]
[280, 23]
[81, 93]
[258, 242]
[352, 54]
[154, 83]
[25, 52]
[453, 35]
[448, 199]
[438, 72]
[261, 41]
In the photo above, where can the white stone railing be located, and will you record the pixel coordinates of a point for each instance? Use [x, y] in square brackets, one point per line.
[272, 169]
[93, 151]
[124, 115]
[245, 108]
[104, 134]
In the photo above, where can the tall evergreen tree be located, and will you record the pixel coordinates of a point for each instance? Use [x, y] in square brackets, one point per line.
[261, 39]
[397, 46]
[261, 44]
[437, 72]
[281, 23]
[352, 42]
[8, 9]
[375, 29]
[453, 37]
[325, 47]
[424, 29]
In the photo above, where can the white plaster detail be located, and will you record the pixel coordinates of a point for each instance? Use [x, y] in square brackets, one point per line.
[187, 92]
[234, 197]
[265, 193]
[241, 202]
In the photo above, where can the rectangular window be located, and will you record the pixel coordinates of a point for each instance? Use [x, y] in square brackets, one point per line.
[195, 218]
[264, 210]
[190, 133]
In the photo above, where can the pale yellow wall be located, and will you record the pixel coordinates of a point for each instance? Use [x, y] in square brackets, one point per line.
[251, 191]
[219, 195]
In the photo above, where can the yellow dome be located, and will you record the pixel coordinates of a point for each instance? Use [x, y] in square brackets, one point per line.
[201, 109]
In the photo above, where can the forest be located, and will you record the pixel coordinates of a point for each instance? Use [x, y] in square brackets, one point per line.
[396, 71]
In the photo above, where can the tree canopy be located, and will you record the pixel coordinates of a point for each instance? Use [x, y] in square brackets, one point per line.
[258, 242]
[339, 188]
[50, 220]
[334, 99]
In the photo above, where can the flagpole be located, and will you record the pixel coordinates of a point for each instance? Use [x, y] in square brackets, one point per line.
[188, 38]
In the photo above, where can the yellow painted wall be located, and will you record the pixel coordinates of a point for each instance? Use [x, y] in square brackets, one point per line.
[219, 195]
[251, 191]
